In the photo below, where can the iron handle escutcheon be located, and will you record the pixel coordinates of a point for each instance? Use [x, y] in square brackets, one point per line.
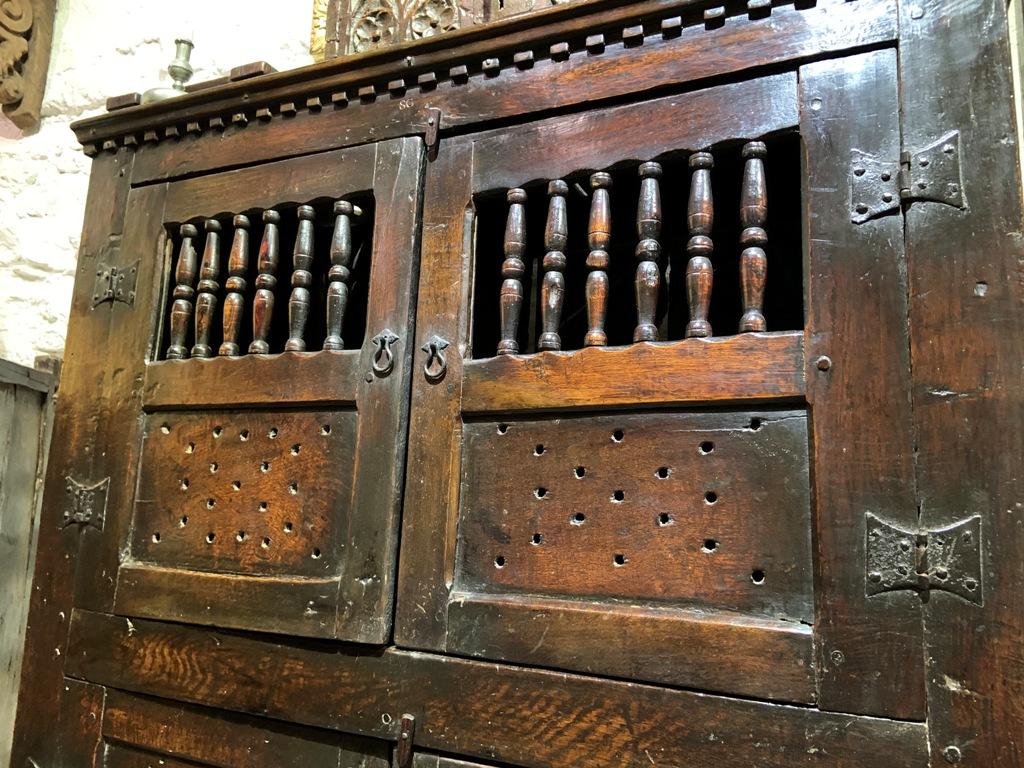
[383, 357]
[436, 364]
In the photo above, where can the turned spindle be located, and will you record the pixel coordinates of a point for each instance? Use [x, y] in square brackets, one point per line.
[648, 251]
[302, 279]
[266, 281]
[206, 302]
[184, 292]
[753, 214]
[512, 269]
[552, 290]
[340, 274]
[599, 236]
[234, 301]
[700, 214]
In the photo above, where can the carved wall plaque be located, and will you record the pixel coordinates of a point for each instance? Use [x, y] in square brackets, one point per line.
[26, 30]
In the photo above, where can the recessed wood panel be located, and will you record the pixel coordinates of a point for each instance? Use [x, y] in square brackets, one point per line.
[254, 493]
[679, 508]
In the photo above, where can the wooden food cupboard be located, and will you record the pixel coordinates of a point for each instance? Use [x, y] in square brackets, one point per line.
[627, 384]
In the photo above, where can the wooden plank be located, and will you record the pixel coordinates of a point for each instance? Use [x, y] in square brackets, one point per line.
[264, 603]
[966, 314]
[787, 34]
[298, 378]
[526, 717]
[81, 717]
[33, 378]
[78, 418]
[299, 180]
[117, 756]
[759, 658]
[557, 147]
[730, 369]
[859, 391]
[225, 740]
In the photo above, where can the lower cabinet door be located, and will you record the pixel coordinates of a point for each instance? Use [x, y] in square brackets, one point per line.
[661, 388]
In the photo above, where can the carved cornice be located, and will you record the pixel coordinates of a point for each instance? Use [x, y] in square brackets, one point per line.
[26, 28]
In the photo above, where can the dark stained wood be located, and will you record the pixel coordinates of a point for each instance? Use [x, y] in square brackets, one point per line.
[235, 285]
[648, 252]
[302, 279]
[700, 218]
[719, 370]
[599, 237]
[858, 383]
[206, 301]
[73, 451]
[266, 283]
[184, 293]
[753, 239]
[340, 273]
[761, 658]
[512, 270]
[81, 720]
[525, 717]
[556, 238]
[118, 756]
[225, 740]
[965, 316]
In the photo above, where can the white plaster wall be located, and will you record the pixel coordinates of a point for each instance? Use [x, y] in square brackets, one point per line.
[104, 48]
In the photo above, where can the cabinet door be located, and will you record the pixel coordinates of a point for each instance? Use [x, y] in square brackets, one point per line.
[266, 487]
[661, 379]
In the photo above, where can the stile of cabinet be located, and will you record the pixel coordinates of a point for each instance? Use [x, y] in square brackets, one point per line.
[266, 490]
[653, 499]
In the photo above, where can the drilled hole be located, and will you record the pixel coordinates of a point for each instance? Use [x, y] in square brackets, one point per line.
[502, 429]
[218, 431]
[184, 484]
[538, 450]
[578, 519]
[265, 544]
[755, 423]
[272, 433]
[288, 527]
[619, 560]
[325, 429]
[213, 467]
[710, 497]
[540, 492]
[156, 537]
[617, 436]
[536, 539]
[210, 503]
[190, 448]
[618, 496]
[183, 521]
[210, 537]
[243, 435]
[165, 428]
[236, 485]
[706, 447]
[710, 545]
[316, 553]
[662, 472]
[264, 506]
[293, 488]
[265, 466]
[499, 561]
[295, 449]
[580, 471]
[240, 536]
[664, 519]
[757, 576]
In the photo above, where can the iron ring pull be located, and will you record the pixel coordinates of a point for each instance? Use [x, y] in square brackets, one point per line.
[436, 364]
[383, 357]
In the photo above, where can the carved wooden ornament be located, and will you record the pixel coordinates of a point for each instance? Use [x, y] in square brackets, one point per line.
[26, 30]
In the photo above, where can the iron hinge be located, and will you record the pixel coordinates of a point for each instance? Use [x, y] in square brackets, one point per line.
[86, 504]
[115, 284]
[947, 559]
[932, 174]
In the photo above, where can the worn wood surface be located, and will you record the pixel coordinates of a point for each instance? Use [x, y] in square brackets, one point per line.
[525, 717]
[79, 732]
[965, 314]
[858, 384]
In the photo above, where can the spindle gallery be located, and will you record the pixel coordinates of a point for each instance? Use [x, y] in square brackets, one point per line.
[436, 407]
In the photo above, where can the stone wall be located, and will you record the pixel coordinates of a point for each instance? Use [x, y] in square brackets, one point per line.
[103, 48]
